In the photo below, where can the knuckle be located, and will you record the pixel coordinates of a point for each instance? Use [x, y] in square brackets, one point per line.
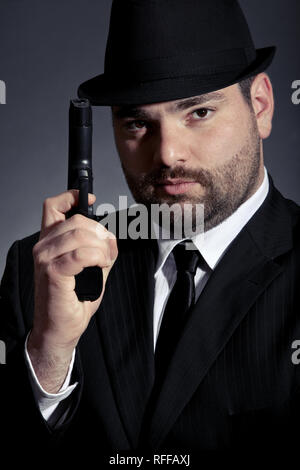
[90, 255]
[112, 236]
[39, 259]
[102, 232]
[47, 203]
[100, 228]
[48, 271]
[79, 234]
[77, 255]
[78, 219]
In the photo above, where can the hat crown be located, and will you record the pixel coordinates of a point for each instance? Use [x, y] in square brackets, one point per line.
[147, 30]
[164, 50]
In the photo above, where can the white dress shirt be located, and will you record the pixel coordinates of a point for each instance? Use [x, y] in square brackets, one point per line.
[212, 245]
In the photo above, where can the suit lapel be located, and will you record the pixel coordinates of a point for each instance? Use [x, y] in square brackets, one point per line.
[125, 318]
[125, 322]
[245, 271]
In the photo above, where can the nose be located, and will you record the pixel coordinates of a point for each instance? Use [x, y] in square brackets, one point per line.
[170, 147]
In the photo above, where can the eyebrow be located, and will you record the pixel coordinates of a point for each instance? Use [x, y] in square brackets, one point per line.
[137, 112]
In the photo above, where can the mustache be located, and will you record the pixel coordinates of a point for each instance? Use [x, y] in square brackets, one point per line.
[201, 176]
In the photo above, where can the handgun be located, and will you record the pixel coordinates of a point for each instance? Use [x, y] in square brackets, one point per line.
[89, 282]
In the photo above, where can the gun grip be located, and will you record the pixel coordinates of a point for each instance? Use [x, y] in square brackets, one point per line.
[89, 283]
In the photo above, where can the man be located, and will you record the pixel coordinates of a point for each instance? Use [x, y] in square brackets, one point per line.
[191, 106]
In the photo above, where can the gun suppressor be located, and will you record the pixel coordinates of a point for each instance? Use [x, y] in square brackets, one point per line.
[89, 282]
[80, 174]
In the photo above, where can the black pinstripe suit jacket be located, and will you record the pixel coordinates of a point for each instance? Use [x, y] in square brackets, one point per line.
[231, 383]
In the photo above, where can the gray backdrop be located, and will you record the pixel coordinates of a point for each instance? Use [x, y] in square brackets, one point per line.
[47, 47]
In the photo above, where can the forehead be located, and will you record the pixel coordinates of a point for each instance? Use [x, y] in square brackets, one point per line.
[175, 106]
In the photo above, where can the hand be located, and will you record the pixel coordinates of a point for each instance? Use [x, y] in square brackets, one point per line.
[65, 247]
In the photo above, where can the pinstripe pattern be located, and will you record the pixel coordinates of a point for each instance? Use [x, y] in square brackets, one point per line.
[231, 383]
[125, 322]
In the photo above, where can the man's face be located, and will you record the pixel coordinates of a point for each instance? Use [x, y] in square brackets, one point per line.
[204, 149]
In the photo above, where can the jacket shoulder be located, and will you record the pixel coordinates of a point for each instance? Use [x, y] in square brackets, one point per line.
[26, 244]
[294, 211]
[293, 208]
[17, 287]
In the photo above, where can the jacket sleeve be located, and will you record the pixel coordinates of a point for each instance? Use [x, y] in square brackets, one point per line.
[20, 416]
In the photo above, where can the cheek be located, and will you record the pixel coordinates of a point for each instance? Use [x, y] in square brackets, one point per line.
[219, 143]
[126, 151]
[133, 157]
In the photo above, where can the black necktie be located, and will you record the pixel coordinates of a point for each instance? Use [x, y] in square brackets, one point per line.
[181, 299]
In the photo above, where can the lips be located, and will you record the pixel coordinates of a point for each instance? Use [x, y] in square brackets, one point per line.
[176, 186]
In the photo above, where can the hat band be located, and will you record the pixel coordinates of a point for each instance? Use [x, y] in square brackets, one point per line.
[184, 64]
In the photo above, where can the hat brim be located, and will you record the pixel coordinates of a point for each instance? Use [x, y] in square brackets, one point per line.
[104, 92]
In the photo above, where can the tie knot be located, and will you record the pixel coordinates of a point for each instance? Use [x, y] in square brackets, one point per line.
[186, 256]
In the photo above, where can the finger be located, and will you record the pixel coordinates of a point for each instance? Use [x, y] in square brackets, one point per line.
[55, 208]
[77, 221]
[71, 240]
[73, 262]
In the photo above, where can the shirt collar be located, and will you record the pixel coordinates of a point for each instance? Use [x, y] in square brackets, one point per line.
[213, 243]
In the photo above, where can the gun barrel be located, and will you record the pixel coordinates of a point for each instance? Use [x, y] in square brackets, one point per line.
[80, 142]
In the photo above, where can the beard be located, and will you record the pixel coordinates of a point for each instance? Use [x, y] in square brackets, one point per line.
[224, 188]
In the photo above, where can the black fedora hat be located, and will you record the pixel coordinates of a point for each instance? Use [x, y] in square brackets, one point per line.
[163, 50]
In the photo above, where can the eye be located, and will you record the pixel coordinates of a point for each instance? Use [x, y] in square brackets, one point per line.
[201, 113]
[135, 125]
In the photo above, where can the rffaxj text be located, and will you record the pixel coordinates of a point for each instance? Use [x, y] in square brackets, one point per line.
[156, 459]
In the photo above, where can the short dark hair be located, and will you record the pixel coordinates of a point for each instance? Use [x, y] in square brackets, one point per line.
[245, 86]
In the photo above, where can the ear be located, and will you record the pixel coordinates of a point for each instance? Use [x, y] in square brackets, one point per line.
[263, 103]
